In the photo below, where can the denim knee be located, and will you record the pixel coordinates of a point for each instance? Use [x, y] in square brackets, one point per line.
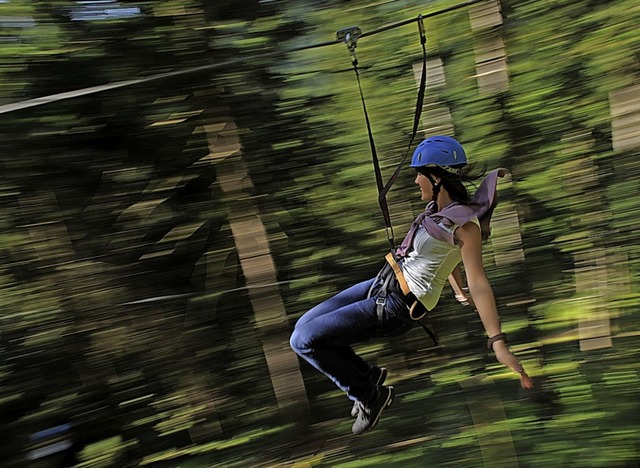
[298, 342]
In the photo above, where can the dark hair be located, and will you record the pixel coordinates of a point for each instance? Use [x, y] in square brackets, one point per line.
[454, 180]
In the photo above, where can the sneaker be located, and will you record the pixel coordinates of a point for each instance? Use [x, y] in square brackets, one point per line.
[377, 376]
[369, 414]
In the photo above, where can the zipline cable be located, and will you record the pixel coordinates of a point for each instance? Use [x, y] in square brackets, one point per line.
[44, 100]
[457, 6]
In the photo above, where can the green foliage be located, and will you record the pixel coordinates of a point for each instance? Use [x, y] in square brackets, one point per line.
[124, 311]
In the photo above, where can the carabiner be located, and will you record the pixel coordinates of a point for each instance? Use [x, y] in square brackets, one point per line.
[350, 36]
[421, 30]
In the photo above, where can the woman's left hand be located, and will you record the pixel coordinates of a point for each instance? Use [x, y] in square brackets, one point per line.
[465, 299]
[506, 357]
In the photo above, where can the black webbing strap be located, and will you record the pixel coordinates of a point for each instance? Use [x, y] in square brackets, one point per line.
[376, 162]
[429, 332]
[381, 300]
[380, 291]
[384, 207]
[418, 112]
[350, 36]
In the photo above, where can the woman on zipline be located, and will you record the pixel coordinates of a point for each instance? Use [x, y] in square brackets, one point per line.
[450, 231]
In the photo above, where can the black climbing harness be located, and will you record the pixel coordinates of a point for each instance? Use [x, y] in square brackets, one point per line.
[386, 283]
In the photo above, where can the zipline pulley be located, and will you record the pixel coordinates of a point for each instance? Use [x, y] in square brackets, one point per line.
[350, 36]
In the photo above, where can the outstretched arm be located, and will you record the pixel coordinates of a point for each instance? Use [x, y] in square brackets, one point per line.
[470, 241]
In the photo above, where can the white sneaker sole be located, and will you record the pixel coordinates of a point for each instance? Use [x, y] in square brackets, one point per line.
[381, 378]
[386, 404]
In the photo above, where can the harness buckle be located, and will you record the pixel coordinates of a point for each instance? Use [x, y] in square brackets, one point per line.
[381, 300]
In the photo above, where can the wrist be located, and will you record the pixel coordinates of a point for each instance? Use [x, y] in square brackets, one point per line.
[463, 296]
[463, 299]
[500, 346]
[499, 340]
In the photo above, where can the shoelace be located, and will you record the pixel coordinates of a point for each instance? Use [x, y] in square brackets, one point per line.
[361, 407]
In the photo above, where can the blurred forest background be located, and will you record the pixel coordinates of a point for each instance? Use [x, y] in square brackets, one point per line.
[160, 239]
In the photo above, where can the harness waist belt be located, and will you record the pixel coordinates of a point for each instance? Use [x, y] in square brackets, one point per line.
[416, 309]
[390, 280]
[398, 272]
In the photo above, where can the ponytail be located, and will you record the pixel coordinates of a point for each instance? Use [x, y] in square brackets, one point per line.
[453, 182]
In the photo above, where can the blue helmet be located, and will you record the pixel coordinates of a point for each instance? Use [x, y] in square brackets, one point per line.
[442, 151]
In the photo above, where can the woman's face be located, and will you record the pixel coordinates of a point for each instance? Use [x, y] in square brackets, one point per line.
[426, 189]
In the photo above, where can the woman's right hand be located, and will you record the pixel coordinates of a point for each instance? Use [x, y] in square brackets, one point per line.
[506, 357]
[525, 380]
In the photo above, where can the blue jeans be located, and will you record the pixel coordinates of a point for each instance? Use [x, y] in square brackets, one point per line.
[324, 335]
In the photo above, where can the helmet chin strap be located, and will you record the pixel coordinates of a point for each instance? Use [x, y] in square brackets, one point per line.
[435, 189]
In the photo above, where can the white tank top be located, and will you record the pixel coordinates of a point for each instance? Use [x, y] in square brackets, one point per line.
[427, 267]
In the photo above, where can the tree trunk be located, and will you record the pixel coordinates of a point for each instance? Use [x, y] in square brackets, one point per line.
[250, 238]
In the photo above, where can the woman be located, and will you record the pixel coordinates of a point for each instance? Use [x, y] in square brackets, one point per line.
[450, 231]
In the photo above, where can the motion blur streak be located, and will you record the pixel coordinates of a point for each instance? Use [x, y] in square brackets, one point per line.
[159, 240]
